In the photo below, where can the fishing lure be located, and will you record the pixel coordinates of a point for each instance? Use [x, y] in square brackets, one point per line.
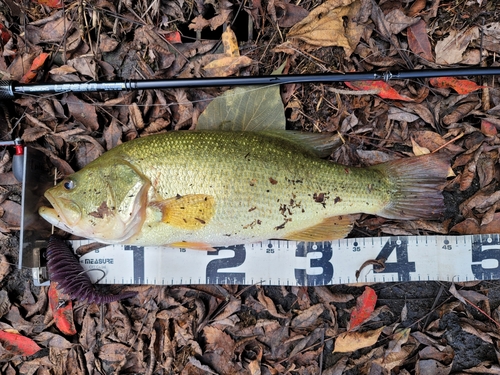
[65, 269]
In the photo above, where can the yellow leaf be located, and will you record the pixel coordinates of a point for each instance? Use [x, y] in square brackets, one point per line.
[229, 62]
[226, 66]
[419, 150]
[351, 341]
[324, 26]
[230, 43]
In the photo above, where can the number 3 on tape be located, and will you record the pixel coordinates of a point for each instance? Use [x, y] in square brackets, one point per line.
[322, 263]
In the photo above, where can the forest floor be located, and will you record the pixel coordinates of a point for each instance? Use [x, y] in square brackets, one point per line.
[430, 327]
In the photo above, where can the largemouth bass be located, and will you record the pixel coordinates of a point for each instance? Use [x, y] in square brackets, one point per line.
[200, 189]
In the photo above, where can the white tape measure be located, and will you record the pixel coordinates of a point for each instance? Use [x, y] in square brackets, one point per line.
[403, 258]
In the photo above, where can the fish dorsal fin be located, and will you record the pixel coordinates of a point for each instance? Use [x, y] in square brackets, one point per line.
[332, 228]
[318, 144]
[192, 211]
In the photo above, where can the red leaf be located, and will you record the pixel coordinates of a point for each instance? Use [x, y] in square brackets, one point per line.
[4, 34]
[385, 91]
[365, 304]
[487, 128]
[18, 344]
[50, 3]
[62, 310]
[418, 40]
[461, 86]
[173, 37]
[35, 66]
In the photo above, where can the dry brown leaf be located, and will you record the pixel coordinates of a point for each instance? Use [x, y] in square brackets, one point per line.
[288, 14]
[106, 43]
[62, 70]
[491, 38]
[417, 149]
[86, 66]
[397, 21]
[268, 304]
[82, 111]
[307, 318]
[416, 7]
[136, 116]
[418, 40]
[12, 214]
[4, 266]
[433, 141]
[450, 50]
[324, 26]
[471, 226]
[326, 296]
[444, 355]
[351, 341]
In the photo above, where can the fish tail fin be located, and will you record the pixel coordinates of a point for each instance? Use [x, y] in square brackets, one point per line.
[418, 183]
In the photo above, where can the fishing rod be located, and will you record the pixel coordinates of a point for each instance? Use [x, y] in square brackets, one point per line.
[9, 89]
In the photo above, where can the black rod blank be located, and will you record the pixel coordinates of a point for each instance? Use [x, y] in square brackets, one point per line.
[9, 89]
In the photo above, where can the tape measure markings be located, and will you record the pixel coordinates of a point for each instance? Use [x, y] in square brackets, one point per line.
[457, 258]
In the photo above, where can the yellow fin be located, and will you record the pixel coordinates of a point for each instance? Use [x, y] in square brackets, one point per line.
[192, 245]
[332, 228]
[192, 211]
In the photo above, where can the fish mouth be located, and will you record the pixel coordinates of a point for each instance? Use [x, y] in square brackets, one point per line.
[56, 215]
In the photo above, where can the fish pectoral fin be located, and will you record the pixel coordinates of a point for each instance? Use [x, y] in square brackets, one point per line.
[332, 228]
[192, 245]
[192, 211]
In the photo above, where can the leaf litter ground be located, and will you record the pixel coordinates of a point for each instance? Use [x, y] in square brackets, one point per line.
[397, 328]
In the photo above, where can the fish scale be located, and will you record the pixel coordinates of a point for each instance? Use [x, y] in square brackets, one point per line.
[214, 188]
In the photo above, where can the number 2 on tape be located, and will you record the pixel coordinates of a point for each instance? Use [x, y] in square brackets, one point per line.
[213, 267]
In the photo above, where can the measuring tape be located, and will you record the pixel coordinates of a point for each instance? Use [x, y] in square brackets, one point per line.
[276, 262]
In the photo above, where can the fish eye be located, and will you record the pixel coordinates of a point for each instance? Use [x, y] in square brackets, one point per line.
[68, 185]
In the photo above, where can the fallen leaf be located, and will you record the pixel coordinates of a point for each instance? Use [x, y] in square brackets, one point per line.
[12, 213]
[52, 340]
[51, 3]
[62, 310]
[268, 304]
[450, 50]
[18, 344]
[418, 150]
[487, 128]
[365, 304]
[82, 111]
[351, 341]
[252, 108]
[36, 65]
[4, 34]
[4, 266]
[461, 86]
[230, 62]
[333, 23]
[308, 317]
[471, 226]
[385, 90]
[173, 37]
[288, 14]
[416, 7]
[491, 38]
[418, 40]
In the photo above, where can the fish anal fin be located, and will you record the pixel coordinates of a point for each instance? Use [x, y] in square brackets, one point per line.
[192, 211]
[192, 245]
[331, 228]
